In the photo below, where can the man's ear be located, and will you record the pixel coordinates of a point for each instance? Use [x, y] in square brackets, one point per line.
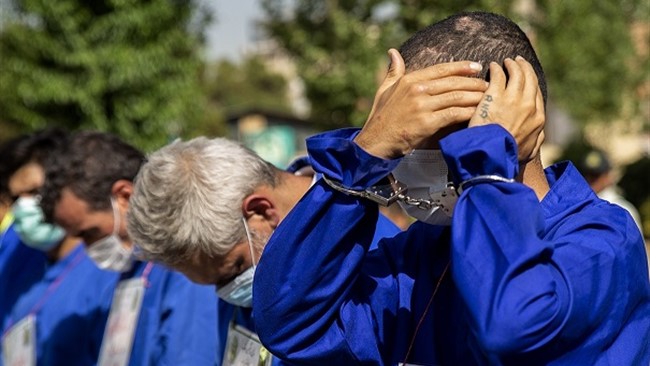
[122, 191]
[261, 207]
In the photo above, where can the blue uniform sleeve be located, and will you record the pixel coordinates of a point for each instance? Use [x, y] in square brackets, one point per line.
[525, 287]
[307, 272]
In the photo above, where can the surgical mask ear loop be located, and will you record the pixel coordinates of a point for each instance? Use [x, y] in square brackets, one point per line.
[116, 218]
[250, 242]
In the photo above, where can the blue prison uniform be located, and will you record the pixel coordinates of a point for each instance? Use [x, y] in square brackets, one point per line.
[177, 322]
[71, 304]
[563, 281]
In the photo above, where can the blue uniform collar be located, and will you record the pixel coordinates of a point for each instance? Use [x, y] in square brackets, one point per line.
[55, 269]
[569, 192]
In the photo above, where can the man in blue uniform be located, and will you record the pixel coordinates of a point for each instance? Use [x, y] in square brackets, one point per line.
[512, 264]
[14, 255]
[61, 312]
[157, 316]
[207, 207]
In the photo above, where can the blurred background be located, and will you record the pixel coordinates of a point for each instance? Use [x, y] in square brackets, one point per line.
[272, 72]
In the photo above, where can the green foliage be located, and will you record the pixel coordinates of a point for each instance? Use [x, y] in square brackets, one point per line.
[125, 66]
[250, 84]
[338, 47]
[237, 87]
[586, 48]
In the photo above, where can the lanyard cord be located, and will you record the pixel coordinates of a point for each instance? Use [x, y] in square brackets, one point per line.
[426, 310]
[55, 284]
[52, 287]
[145, 273]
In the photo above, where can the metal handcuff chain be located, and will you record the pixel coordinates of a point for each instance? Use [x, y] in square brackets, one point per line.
[394, 190]
[387, 194]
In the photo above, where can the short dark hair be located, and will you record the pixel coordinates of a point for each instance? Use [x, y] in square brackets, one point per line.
[473, 36]
[32, 147]
[89, 166]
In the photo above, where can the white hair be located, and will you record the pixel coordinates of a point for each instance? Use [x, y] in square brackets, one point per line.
[188, 197]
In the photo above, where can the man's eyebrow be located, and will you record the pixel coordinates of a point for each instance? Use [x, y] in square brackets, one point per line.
[32, 192]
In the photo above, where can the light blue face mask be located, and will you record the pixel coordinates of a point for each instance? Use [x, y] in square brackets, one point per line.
[239, 291]
[30, 225]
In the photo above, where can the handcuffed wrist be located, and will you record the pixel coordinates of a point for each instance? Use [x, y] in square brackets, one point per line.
[383, 193]
[480, 179]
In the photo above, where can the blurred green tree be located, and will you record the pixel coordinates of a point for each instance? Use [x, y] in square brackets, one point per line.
[337, 45]
[130, 67]
[237, 87]
[588, 55]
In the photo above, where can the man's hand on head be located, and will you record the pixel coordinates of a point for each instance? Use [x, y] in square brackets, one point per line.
[409, 108]
[516, 104]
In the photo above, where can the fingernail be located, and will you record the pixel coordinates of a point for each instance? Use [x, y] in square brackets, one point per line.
[476, 66]
[519, 58]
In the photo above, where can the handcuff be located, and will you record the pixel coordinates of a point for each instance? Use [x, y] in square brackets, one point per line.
[389, 190]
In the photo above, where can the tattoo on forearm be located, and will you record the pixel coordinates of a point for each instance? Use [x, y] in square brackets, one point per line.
[485, 106]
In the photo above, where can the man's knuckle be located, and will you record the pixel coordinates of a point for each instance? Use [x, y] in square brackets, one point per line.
[455, 96]
[414, 89]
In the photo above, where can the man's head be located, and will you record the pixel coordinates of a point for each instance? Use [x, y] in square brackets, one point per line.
[472, 36]
[22, 174]
[23, 159]
[189, 205]
[88, 185]
[596, 169]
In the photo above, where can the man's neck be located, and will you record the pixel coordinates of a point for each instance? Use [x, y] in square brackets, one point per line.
[290, 190]
[61, 251]
[532, 174]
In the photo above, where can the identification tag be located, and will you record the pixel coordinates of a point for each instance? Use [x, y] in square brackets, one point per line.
[19, 343]
[243, 348]
[121, 324]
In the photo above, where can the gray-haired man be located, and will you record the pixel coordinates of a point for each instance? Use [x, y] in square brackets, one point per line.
[207, 207]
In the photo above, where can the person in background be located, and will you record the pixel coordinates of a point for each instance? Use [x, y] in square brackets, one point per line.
[207, 207]
[20, 265]
[5, 212]
[510, 264]
[157, 316]
[62, 315]
[596, 167]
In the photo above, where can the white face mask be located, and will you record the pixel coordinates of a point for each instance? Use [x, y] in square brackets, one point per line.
[425, 174]
[108, 252]
[239, 291]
